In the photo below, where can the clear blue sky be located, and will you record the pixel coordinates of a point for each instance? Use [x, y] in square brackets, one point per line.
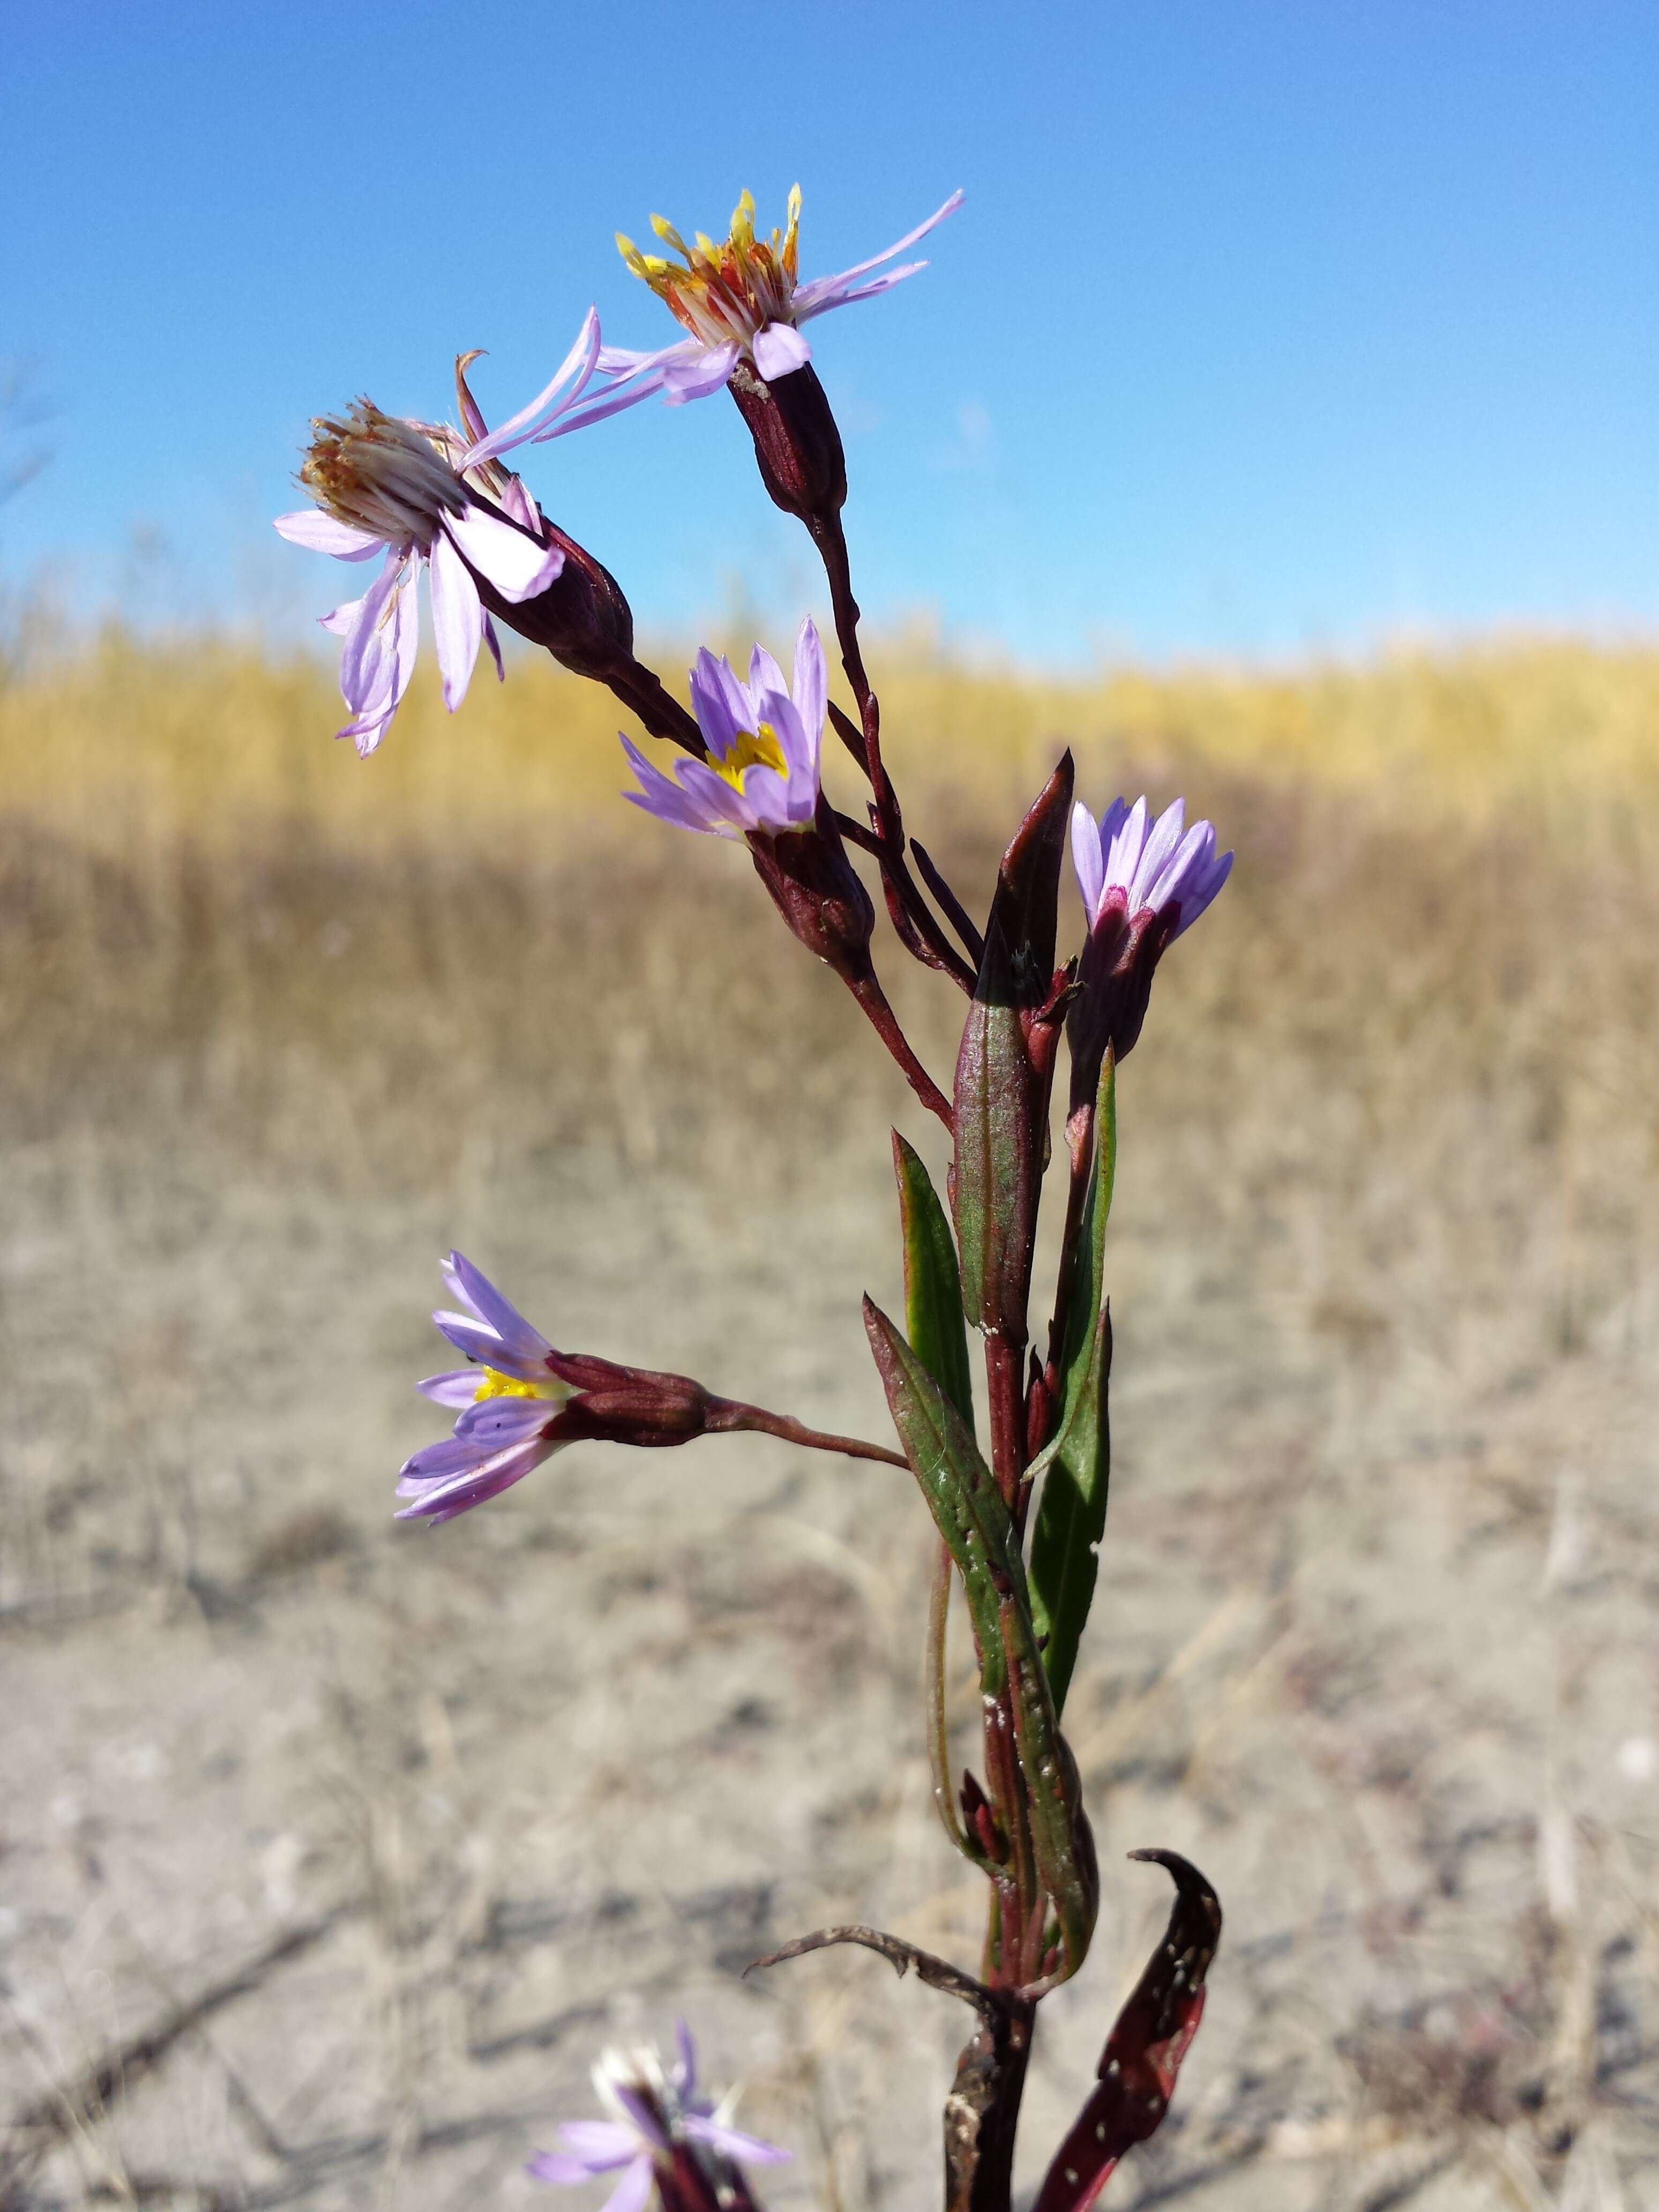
[1265, 326]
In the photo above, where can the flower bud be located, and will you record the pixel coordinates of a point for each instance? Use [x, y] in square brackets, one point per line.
[797, 444]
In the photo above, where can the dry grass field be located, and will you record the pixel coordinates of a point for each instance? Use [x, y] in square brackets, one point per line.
[331, 1850]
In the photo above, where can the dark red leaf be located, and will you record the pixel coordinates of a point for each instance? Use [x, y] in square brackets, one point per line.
[1145, 2049]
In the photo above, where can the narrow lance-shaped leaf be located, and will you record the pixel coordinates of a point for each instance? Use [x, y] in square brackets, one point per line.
[939, 1334]
[1077, 1464]
[1145, 2049]
[970, 1513]
[933, 1282]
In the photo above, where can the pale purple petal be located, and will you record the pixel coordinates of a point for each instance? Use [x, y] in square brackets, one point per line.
[492, 1424]
[367, 660]
[582, 357]
[475, 1340]
[1087, 858]
[457, 619]
[557, 2166]
[324, 533]
[625, 361]
[437, 1462]
[503, 1315]
[778, 350]
[1124, 857]
[1200, 894]
[686, 2074]
[519, 507]
[605, 2144]
[719, 800]
[494, 645]
[443, 1499]
[660, 796]
[633, 2192]
[710, 368]
[812, 684]
[764, 676]
[798, 798]
[722, 705]
[458, 1387]
[1166, 835]
[379, 658]
[515, 563]
[818, 285]
[748, 2150]
[595, 410]
[456, 1287]
[344, 618]
[848, 294]
[1190, 860]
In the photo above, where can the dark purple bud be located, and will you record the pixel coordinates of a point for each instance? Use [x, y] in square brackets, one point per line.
[796, 442]
[1004, 1070]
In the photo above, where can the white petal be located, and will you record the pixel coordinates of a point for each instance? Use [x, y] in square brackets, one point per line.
[323, 533]
[516, 565]
[457, 619]
[779, 349]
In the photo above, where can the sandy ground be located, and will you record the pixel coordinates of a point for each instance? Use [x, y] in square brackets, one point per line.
[353, 1844]
[332, 1852]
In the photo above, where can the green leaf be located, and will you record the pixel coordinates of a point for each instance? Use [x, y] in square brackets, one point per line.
[978, 1530]
[932, 1285]
[1072, 1517]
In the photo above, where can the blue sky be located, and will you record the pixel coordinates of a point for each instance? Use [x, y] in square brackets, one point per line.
[1267, 328]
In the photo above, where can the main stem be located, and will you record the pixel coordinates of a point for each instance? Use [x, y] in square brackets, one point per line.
[982, 2114]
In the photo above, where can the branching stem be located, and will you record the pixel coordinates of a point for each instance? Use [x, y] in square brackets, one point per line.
[730, 1414]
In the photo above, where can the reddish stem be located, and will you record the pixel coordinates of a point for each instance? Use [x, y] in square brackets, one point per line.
[874, 1000]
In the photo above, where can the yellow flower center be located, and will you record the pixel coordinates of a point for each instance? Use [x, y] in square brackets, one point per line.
[725, 292]
[750, 749]
[497, 1385]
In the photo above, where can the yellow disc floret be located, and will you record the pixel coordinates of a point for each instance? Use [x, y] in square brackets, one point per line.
[750, 749]
[724, 294]
[495, 1384]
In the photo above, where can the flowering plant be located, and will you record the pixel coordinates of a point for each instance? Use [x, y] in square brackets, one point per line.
[1019, 1520]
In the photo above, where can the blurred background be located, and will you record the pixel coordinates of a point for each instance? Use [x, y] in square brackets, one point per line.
[1275, 425]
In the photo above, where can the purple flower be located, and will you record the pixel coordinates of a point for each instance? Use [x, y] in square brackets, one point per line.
[412, 492]
[509, 1398]
[1123, 868]
[762, 772]
[740, 300]
[661, 2120]
[1141, 887]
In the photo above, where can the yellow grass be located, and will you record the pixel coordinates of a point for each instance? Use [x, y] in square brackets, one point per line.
[127, 743]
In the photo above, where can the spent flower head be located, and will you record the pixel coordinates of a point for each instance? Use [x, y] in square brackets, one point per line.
[761, 774]
[661, 2121]
[410, 490]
